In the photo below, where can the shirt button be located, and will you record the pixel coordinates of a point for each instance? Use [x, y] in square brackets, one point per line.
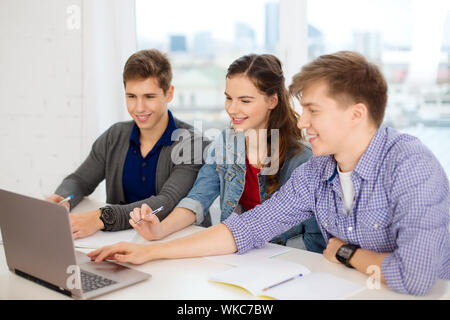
[134, 151]
[375, 226]
[350, 229]
[325, 225]
[144, 179]
[144, 164]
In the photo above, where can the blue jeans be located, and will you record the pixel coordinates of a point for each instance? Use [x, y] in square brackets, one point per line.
[308, 232]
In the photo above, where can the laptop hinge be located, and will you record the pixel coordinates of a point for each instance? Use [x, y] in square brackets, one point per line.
[42, 282]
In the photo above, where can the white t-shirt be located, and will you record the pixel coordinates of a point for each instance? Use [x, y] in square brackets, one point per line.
[347, 189]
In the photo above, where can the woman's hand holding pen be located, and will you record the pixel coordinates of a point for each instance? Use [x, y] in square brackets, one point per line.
[146, 224]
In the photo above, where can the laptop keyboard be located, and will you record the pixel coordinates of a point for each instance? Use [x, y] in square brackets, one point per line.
[91, 281]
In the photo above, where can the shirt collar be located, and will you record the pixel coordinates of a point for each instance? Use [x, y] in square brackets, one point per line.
[134, 136]
[330, 171]
[366, 166]
[166, 138]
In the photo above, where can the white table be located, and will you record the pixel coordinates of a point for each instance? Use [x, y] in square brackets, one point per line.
[187, 279]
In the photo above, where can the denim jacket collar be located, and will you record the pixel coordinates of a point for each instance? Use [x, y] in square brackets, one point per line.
[235, 147]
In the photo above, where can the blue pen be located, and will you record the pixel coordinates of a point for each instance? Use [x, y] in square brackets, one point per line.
[284, 281]
[66, 199]
[153, 212]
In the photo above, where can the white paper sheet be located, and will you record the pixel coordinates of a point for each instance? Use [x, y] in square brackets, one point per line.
[269, 250]
[101, 239]
[261, 274]
[257, 275]
[315, 286]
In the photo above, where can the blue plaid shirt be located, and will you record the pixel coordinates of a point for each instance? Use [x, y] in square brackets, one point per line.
[401, 207]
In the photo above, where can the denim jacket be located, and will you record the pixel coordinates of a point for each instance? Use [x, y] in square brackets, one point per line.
[223, 174]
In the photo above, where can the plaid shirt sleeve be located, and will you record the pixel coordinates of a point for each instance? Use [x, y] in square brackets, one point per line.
[288, 207]
[420, 201]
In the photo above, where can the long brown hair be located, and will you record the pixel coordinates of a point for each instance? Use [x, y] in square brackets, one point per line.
[266, 73]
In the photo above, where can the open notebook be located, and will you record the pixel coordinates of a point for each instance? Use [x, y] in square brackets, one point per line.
[269, 250]
[284, 280]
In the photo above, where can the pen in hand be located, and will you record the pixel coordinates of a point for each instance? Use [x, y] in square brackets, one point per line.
[66, 199]
[153, 212]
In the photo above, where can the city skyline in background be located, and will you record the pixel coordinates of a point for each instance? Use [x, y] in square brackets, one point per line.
[408, 39]
[390, 20]
[383, 31]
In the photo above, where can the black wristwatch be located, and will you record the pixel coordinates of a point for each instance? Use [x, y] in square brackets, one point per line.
[108, 218]
[345, 253]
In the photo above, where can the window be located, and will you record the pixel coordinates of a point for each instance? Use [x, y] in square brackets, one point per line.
[202, 38]
[410, 41]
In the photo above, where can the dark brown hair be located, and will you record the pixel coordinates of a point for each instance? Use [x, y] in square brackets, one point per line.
[266, 73]
[146, 64]
[350, 78]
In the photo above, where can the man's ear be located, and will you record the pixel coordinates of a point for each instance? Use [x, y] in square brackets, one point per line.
[359, 112]
[169, 93]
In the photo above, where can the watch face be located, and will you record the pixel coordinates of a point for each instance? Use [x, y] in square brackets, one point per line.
[345, 252]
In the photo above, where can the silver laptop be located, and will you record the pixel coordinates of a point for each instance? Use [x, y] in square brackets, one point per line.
[38, 243]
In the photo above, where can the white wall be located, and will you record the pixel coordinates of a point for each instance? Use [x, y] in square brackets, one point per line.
[60, 85]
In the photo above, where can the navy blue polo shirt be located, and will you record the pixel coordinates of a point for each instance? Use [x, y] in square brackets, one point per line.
[139, 173]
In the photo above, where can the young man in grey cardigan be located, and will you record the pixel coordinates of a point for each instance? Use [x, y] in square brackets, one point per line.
[137, 158]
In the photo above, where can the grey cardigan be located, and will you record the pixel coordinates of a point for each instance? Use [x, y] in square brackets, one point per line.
[106, 161]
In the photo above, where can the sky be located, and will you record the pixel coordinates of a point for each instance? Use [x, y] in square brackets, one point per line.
[155, 19]
[337, 19]
[393, 19]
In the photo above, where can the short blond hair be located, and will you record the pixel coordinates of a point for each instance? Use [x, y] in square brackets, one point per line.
[349, 76]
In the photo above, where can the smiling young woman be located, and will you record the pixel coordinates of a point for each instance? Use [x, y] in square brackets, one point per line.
[256, 100]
